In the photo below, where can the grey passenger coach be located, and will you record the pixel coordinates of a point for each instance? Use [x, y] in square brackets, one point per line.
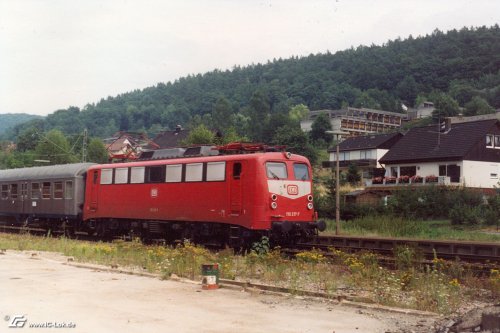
[42, 196]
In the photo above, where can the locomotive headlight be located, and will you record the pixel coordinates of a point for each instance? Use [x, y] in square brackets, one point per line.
[310, 205]
[274, 197]
[274, 205]
[310, 198]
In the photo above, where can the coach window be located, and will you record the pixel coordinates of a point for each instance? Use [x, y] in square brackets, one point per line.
[174, 173]
[35, 191]
[121, 175]
[13, 191]
[5, 192]
[58, 190]
[68, 190]
[137, 175]
[194, 172]
[276, 170]
[106, 176]
[216, 171]
[301, 171]
[46, 188]
[155, 174]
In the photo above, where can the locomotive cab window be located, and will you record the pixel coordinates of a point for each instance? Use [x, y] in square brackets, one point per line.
[5, 192]
[301, 171]
[276, 170]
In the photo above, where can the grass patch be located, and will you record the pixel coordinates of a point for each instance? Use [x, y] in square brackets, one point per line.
[442, 287]
[390, 226]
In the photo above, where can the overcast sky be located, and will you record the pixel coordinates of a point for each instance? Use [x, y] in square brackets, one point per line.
[55, 54]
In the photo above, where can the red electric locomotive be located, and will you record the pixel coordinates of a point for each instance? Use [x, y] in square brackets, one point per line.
[231, 199]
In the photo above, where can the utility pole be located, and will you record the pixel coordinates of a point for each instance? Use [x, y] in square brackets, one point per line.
[84, 146]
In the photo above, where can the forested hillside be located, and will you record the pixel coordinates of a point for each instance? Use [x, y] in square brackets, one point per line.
[456, 68]
[11, 119]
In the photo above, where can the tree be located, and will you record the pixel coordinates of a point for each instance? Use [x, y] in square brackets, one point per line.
[28, 139]
[96, 152]
[319, 127]
[445, 106]
[407, 90]
[258, 111]
[298, 112]
[296, 141]
[54, 146]
[353, 176]
[200, 135]
[477, 106]
[222, 114]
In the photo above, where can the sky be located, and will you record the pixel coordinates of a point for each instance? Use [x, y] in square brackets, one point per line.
[59, 53]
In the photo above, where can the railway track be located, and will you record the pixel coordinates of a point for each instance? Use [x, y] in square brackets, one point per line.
[474, 252]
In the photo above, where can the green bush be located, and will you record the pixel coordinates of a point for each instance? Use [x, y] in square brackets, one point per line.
[462, 214]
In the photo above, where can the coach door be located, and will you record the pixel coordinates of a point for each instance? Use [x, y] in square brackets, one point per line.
[94, 191]
[236, 188]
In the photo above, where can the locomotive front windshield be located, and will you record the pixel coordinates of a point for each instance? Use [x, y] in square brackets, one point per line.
[301, 171]
[277, 170]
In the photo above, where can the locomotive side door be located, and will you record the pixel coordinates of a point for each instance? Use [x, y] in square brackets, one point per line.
[94, 190]
[236, 188]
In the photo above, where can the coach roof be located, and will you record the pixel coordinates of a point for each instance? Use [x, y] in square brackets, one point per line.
[45, 172]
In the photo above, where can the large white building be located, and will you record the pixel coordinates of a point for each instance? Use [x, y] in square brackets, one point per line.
[357, 121]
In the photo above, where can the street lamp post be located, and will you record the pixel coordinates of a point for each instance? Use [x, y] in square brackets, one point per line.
[338, 136]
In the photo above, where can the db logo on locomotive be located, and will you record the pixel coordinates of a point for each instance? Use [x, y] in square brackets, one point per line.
[292, 189]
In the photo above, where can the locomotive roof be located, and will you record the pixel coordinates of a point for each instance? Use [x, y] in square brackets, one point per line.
[197, 159]
[45, 172]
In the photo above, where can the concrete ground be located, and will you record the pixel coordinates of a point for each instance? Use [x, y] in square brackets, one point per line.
[40, 290]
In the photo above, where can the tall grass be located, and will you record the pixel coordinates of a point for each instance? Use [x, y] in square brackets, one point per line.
[393, 226]
[440, 287]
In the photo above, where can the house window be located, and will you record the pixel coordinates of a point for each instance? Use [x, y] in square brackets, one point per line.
[345, 156]
[489, 141]
[365, 154]
[408, 171]
[442, 170]
[496, 141]
[394, 172]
